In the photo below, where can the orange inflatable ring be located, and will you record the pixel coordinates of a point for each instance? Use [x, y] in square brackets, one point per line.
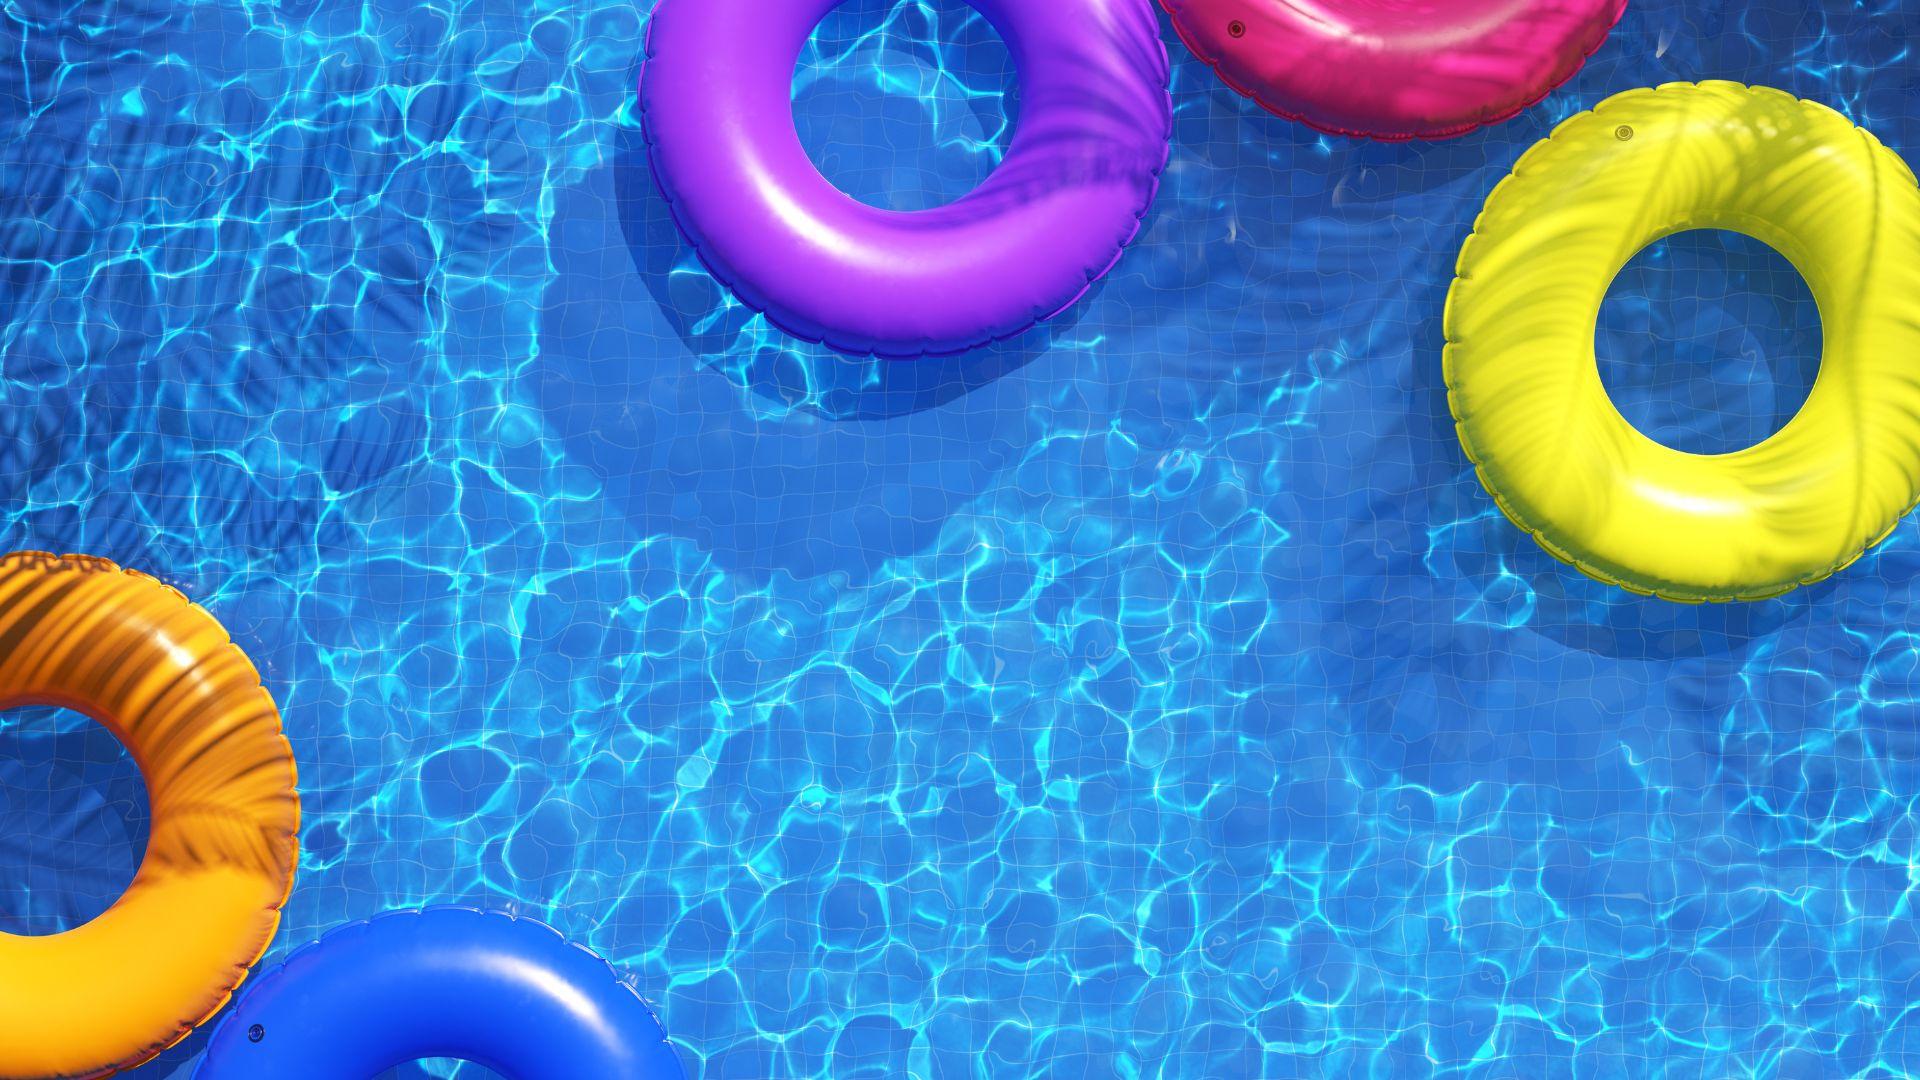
[163, 676]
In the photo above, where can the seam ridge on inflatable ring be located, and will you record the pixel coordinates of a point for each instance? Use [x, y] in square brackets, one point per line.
[720, 273]
[1464, 268]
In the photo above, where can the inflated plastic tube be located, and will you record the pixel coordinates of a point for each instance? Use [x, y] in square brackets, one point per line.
[1525, 388]
[507, 993]
[164, 677]
[1082, 168]
[1395, 69]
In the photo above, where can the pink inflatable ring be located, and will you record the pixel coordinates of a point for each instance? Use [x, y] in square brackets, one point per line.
[1395, 69]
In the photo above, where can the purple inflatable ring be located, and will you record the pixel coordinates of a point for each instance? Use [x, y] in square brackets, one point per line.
[716, 108]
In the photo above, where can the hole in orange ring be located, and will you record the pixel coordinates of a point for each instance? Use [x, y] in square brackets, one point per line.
[74, 820]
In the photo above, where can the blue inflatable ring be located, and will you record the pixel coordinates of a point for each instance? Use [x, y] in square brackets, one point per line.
[507, 993]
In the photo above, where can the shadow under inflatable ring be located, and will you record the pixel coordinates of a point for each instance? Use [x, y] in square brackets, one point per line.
[1096, 121]
[164, 677]
[507, 993]
[1525, 388]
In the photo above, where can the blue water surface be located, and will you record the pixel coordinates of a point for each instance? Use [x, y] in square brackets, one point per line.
[1155, 695]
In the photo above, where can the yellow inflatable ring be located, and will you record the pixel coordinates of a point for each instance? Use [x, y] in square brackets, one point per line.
[1525, 388]
[163, 676]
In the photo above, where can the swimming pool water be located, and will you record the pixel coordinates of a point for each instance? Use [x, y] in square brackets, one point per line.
[1157, 695]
